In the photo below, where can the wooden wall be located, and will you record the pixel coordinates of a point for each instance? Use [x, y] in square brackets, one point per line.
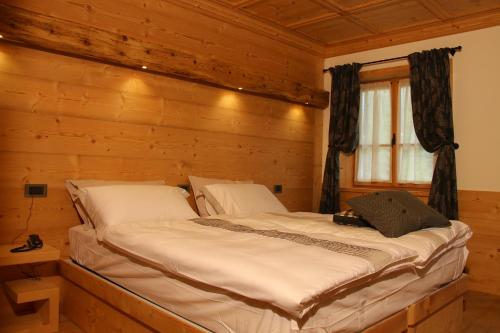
[64, 118]
[481, 211]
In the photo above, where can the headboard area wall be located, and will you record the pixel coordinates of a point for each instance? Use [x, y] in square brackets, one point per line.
[66, 118]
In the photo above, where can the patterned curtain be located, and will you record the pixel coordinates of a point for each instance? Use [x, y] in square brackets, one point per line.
[433, 121]
[343, 130]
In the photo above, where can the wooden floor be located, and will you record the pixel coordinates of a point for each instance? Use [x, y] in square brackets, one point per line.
[66, 326]
[482, 315]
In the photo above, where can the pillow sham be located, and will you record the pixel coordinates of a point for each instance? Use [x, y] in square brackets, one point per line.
[396, 213]
[242, 199]
[119, 204]
[197, 183]
[75, 188]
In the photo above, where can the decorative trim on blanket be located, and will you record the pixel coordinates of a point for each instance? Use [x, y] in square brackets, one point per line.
[297, 217]
[376, 257]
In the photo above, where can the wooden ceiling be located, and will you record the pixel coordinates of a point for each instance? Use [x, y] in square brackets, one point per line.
[332, 27]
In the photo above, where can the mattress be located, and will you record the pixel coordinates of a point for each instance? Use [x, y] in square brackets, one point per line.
[221, 311]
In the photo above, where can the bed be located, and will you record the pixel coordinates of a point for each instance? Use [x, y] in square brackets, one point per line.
[352, 310]
[136, 257]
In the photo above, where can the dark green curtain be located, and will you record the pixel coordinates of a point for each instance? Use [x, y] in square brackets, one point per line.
[343, 130]
[433, 121]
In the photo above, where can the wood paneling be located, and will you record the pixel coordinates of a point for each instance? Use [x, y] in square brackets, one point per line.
[65, 118]
[466, 7]
[481, 211]
[337, 29]
[348, 26]
[75, 39]
[442, 28]
[286, 12]
[396, 15]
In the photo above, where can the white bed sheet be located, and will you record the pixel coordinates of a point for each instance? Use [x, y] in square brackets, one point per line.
[220, 311]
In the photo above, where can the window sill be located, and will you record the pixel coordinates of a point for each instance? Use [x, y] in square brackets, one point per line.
[419, 192]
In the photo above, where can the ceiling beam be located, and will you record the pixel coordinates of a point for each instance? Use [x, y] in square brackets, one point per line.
[52, 34]
[448, 27]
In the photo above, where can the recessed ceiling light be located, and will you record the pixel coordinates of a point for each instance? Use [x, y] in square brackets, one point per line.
[144, 67]
[307, 103]
[240, 88]
[1, 36]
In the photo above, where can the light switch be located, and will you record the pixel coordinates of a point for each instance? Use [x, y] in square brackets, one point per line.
[35, 190]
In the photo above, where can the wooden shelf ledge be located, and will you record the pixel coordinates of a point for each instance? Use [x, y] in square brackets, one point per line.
[44, 294]
[29, 290]
[46, 253]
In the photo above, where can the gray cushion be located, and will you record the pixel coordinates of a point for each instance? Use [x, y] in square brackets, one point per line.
[396, 213]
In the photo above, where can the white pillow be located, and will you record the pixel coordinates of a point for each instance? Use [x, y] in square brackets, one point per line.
[197, 183]
[210, 209]
[119, 204]
[75, 188]
[242, 199]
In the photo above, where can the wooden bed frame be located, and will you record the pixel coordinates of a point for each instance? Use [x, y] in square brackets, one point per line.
[97, 305]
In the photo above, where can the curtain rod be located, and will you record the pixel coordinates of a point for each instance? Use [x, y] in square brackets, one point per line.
[452, 51]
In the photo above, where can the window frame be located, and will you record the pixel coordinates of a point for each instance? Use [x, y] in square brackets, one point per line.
[393, 75]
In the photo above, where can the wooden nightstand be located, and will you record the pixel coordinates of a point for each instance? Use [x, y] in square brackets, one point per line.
[40, 291]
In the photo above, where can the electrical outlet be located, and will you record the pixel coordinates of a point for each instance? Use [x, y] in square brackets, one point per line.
[184, 186]
[35, 190]
[278, 188]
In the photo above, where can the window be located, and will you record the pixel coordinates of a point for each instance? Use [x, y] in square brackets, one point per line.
[389, 153]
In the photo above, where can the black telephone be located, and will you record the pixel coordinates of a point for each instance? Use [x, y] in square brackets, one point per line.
[33, 242]
[349, 217]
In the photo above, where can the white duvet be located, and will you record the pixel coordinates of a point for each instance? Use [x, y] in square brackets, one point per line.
[304, 256]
